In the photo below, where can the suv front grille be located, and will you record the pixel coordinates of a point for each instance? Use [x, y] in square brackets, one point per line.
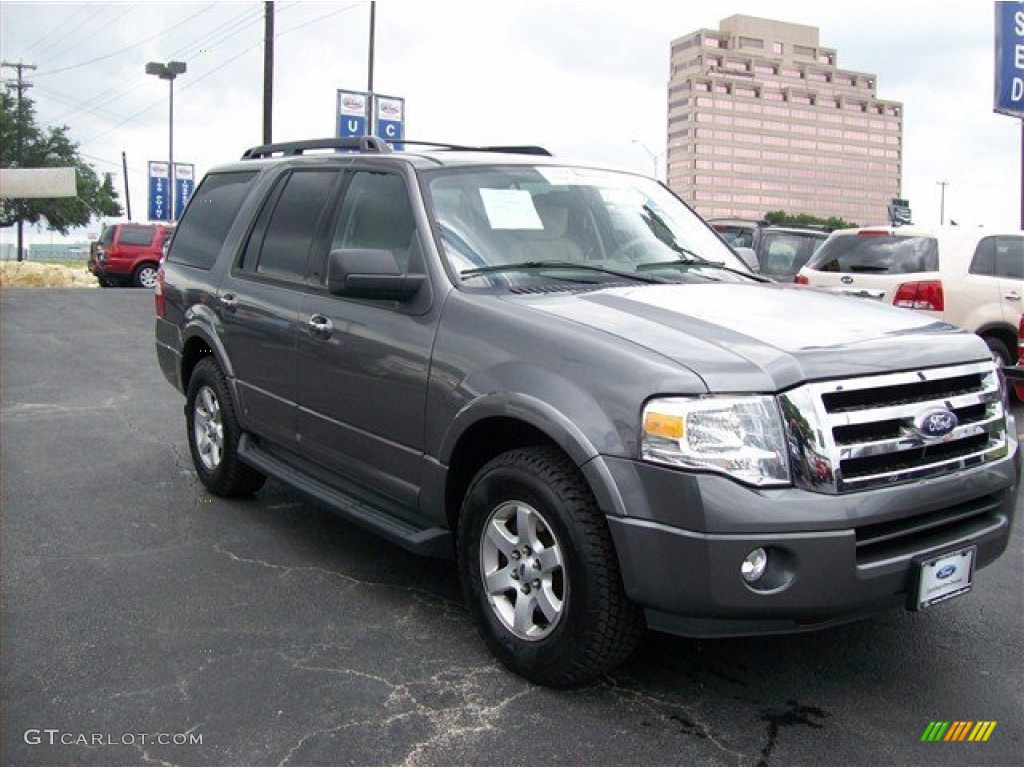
[868, 432]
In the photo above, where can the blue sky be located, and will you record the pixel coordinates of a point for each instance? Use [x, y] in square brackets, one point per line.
[586, 79]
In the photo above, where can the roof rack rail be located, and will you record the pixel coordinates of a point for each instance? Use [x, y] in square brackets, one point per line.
[525, 149]
[369, 144]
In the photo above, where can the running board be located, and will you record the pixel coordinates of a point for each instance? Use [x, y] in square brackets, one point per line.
[430, 542]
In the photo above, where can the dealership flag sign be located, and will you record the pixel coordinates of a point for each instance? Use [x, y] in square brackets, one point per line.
[1010, 58]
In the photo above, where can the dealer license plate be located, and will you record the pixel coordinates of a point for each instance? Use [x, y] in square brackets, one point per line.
[944, 577]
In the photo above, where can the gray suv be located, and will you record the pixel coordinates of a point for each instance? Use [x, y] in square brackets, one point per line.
[562, 378]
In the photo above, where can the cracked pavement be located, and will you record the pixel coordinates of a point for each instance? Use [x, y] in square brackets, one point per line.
[135, 604]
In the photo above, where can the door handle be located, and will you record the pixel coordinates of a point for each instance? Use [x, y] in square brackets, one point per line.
[1013, 296]
[320, 327]
[229, 301]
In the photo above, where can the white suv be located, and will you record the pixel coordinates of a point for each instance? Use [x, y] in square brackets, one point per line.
[972, 278]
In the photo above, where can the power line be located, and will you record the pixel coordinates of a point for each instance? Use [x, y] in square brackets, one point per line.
[127, 48]
[97, 102]
[67, 20]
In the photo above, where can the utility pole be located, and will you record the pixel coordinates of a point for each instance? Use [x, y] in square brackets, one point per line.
[21, 85]
[127, 194]
[369, 71]
[268, 72]
[942, 202]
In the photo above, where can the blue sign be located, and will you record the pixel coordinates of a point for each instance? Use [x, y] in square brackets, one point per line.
[159, 192]
[390, 123]
[184, 186]
[1010, 58]
[353, 113]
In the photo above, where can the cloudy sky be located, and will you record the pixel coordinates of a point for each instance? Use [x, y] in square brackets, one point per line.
[585, 79]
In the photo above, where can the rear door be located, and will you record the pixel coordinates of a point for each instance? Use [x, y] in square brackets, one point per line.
[260, 296]
[994, 288]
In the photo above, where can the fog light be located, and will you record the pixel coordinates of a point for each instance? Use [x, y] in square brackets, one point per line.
[753, 565]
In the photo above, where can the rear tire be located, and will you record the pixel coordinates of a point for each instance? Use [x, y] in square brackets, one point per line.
[213, 434]
[540, 572]
[144, 276]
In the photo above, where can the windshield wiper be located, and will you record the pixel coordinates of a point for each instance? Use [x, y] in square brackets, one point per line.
[699, 262]
[532, 265]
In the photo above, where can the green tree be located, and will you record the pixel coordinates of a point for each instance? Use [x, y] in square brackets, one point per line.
[781, 218]
[49, 148]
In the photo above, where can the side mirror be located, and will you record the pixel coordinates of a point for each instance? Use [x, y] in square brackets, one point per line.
[749, 257]
[369, 273]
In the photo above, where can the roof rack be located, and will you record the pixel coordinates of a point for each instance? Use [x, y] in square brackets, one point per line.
[524, 149]
[375, 145]
[369, 144]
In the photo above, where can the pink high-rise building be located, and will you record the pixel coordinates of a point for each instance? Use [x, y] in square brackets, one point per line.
[761, 118]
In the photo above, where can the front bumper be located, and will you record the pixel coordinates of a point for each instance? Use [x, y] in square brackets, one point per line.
[683, 538]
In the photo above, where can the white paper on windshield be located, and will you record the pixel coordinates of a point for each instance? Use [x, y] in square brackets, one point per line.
[510, 209]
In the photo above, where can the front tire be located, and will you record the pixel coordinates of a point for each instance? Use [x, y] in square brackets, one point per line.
[540, 572]
[213, 434]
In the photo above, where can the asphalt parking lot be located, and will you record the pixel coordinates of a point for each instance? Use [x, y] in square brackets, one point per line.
[146, 622]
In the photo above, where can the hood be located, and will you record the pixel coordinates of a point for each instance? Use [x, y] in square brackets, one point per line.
[765, 338]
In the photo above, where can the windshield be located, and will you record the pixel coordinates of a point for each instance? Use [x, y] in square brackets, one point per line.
[523, 225]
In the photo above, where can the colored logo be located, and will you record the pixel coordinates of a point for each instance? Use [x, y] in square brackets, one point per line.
[936, 423]
[945, 572]
[958, 730]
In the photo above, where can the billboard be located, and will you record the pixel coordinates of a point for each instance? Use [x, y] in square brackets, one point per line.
[1009, 97]
[159, 191]
[37, 182]
[353, 113]
[184, 186]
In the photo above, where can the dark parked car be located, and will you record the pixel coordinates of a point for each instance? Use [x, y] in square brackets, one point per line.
[780, 251]
[128, 254]
[561, 377]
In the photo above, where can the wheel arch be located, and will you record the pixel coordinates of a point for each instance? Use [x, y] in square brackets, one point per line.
[198, 342]
[495, 425]
[1004, 332]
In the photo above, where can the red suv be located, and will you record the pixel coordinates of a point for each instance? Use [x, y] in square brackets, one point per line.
[128, 254]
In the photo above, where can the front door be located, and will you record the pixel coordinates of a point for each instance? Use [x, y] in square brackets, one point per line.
[363, 364]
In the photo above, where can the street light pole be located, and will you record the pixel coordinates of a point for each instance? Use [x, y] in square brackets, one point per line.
[942, 202]
[168, 72]
[654, 157]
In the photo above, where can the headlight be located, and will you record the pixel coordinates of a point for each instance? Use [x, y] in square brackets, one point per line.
[740, 436]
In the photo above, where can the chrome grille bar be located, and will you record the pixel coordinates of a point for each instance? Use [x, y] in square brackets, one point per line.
[873, 431]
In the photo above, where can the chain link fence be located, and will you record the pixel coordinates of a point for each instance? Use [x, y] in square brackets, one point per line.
[61, 253]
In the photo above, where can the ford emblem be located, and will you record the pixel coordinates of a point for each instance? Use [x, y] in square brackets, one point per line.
[846, 279]
[936, 423]
[945, 572]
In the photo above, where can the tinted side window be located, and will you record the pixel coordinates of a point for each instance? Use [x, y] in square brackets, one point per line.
[376, 214]
[135, 234]
[879, 254]
[208, 218]
[999, 256]
[984, 261]
[1010, 257]
[293, 226]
